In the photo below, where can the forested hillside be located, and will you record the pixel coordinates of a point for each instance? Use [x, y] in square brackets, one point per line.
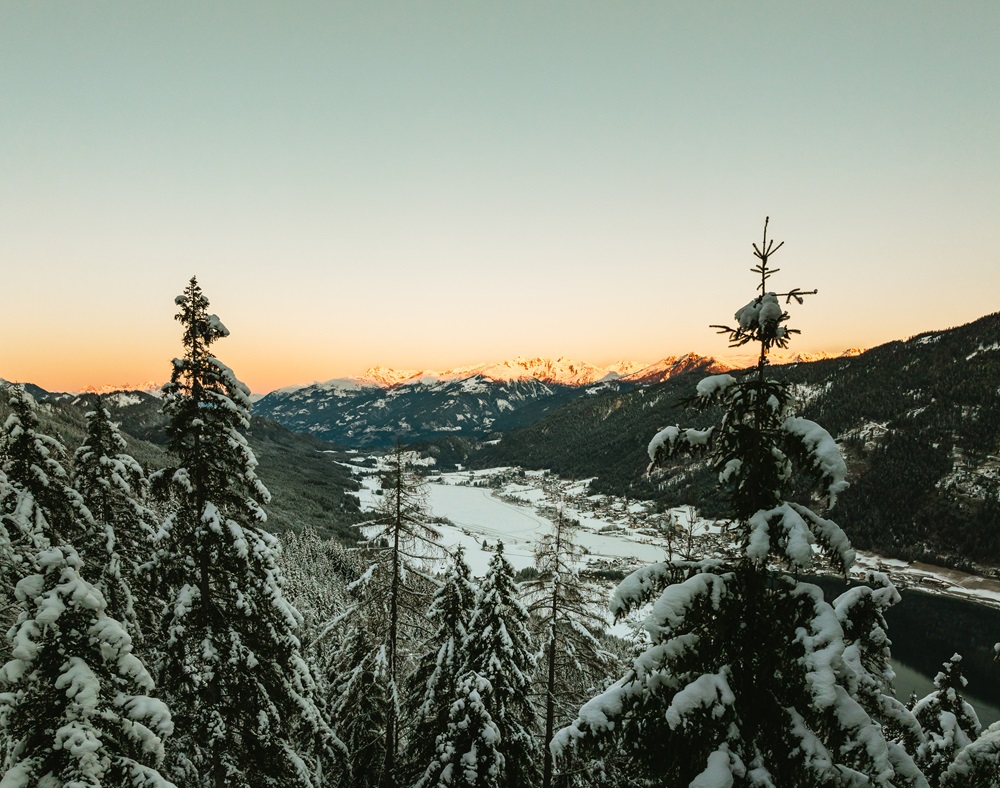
[918, 421]
[308, 488]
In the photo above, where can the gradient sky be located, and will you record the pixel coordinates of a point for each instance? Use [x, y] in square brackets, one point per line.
[431, 184]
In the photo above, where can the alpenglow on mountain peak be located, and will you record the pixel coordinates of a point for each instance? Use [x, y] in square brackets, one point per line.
[561, 371]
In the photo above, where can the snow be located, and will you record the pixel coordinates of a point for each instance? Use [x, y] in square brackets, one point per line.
[668, 438]
[982, 349]
[217, 326]
[824, 450]
[718, 773]
[560, 371]
[714, 385]
[663, 440]
[763, 312]
[80, 684]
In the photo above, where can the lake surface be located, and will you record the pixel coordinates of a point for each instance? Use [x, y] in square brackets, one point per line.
[926, 630]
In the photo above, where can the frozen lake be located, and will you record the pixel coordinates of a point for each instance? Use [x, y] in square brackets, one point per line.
[478, 515]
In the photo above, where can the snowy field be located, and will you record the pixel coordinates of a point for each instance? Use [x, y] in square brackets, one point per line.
[510, 513]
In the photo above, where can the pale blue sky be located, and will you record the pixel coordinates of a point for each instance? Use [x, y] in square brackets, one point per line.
[428, 184]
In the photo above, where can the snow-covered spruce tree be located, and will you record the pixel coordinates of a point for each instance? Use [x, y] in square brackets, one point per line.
[114, 488]
[359, 704]
[45, 509]
[433, 685]
[232, 670]
[467, 752]
[398, 542]
[978, 763]
[744, 682]
[50, 511]
[12, 563]
[570, 614]
[75, 708]
[861, 613]
[501, 650]
[949, 723]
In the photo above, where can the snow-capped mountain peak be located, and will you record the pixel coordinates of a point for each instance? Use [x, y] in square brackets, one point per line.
[675, 365]
[561, 371]
[148, 387]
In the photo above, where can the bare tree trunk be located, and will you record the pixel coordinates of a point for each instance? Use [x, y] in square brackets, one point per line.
[389, 764]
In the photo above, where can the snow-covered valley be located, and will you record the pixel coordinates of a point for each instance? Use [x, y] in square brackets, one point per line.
[476, 508]
[516, 507]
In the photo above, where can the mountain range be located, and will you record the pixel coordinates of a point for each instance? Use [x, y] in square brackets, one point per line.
[384, 405]
[561, 371]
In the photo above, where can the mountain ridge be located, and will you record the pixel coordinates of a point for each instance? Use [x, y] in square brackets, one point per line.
[384, 405]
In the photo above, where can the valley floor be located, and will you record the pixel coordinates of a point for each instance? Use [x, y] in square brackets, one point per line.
[618, 535]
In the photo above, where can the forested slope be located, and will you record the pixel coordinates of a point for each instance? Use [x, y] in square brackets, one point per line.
[307, 487]
[918, 420]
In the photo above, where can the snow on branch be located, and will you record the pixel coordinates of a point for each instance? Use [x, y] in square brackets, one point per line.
[640, 586]
[669, 439]
[793, 532]
[714, 385]
[824, 452]
[723, 765]
[708, 691]
[673, 605]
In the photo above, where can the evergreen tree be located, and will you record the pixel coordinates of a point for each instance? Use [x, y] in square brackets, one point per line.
[500, 650]
[744, 682]
[76, 710]
[468, 751]
[433, 685]
[949, 723]
[50, 511]
[570, 613]
[861, 613]
[114, 488]
[360, 706]
[978, 763]
[11, 561]
[398, 541]
[232, 669]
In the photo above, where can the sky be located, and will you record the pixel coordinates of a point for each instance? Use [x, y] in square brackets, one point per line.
[426, 185]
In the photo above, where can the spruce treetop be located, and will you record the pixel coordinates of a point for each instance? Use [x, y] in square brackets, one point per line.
[759, 443]
[208, 409]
